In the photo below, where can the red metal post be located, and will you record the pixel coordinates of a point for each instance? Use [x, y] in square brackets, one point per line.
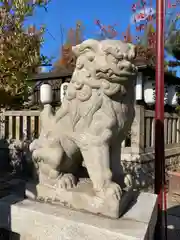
[161, 231]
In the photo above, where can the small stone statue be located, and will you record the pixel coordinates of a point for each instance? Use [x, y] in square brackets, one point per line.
[87, 130]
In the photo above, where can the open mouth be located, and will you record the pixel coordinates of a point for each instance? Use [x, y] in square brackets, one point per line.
[114, 77]
[126, 74]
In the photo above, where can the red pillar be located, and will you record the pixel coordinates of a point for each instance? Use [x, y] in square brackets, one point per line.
[161, 232]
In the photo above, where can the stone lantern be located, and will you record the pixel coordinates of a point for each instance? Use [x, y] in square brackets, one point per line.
[149, 92]
[166, 94]
[173, 95]
[139, 87]
[46, 94]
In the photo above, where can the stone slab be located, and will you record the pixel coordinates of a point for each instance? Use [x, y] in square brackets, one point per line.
[42, 221]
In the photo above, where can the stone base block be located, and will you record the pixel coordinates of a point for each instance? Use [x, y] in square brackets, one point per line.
[42, 221]
[82, 197]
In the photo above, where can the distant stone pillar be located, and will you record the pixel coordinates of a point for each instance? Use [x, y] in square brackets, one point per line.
[63, 90]
[139, 87]
[137, 130]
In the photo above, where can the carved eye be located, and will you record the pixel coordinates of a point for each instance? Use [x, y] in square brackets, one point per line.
[91, 58]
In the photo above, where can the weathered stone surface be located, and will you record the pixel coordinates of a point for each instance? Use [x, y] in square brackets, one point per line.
[39, 221]
[95, 116]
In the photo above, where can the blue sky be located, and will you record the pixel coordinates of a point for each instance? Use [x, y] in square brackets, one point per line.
[65, 14]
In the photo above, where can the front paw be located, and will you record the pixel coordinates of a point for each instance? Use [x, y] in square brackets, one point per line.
[114, 190]
[37, 154]
[66, 181]
[111, 190]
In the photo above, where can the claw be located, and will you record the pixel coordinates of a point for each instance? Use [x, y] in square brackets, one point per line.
[67, 181]
[115, 191]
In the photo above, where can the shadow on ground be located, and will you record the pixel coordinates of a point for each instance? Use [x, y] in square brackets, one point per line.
[173, 228]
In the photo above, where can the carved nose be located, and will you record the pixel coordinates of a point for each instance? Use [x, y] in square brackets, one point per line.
[125, 65]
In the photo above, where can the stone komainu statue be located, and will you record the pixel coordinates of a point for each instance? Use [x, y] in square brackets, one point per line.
[94, 118]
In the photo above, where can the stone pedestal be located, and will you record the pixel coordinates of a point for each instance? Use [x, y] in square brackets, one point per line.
[82, 198]
[40, 221]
